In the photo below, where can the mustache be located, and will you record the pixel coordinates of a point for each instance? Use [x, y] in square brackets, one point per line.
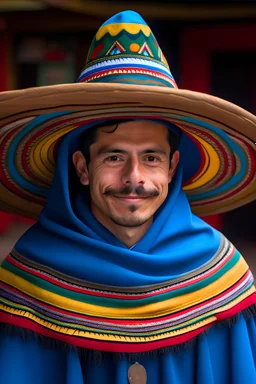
[129, 189]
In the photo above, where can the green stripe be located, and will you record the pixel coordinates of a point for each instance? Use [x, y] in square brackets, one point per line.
[120, 303]
[116, 333]
[129, 79]
[192, 321]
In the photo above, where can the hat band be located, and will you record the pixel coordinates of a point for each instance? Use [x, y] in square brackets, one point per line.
[129, 71]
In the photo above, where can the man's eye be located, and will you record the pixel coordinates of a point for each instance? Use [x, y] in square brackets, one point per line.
[113, 158]
[151, 159]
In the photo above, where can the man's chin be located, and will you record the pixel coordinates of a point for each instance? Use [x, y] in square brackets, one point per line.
[130, 222]
[130, 215]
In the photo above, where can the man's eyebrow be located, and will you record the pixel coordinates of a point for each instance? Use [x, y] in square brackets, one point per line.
[111, 150]
[107, 150]
[154, 150]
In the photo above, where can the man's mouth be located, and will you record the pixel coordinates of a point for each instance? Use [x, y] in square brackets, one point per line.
[132, 199]
[131, 193]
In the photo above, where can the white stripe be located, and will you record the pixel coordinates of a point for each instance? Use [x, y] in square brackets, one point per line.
[194, 312]
[125, 60]
[188, 315]
[17, 123]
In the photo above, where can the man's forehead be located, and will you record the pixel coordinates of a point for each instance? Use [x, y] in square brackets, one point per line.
[139, 127]
[142, 135]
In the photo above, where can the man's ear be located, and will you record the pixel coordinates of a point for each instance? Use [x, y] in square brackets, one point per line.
[81, 167]
[174, 163]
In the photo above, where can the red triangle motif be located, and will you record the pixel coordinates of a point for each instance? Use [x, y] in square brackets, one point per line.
[116, 49]
[145, 50]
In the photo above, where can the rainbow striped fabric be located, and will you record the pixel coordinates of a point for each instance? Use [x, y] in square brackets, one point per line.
[116, 319]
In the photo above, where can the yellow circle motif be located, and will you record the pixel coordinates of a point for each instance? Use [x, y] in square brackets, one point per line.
[134, 47]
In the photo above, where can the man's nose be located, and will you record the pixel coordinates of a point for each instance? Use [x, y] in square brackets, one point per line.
[133, 173]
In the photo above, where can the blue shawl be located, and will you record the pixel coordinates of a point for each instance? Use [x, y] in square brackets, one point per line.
[74, 242]
[68, 239]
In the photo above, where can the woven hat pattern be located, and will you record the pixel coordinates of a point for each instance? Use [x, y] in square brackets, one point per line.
[124, 50]
[126, 77]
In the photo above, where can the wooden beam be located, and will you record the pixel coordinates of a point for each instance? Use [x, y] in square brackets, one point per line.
[158, 10]
[50, 20]
[21, 5]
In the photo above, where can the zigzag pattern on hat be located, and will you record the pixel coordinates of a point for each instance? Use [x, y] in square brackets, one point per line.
[126, 53]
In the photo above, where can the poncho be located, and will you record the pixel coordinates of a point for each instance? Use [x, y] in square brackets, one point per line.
[76, 301]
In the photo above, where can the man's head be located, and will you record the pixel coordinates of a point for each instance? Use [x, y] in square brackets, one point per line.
[128, 168]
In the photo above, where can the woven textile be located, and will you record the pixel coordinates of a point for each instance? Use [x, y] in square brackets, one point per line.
[124, 50]
[124, 320]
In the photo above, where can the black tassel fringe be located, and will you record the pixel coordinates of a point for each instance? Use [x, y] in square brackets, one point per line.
[97, 357]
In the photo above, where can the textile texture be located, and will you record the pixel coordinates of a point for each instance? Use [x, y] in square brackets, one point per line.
[69, 279]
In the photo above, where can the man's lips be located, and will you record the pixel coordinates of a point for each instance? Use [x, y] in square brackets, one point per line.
[132, 199]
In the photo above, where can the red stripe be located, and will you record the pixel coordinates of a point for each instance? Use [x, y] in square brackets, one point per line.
[15, 120]
[249, 178]
[98, 345]
[237, 308]
[114, 295]
[202, 158]
[30, 142]
[3, 177]
[232, 193]
[221, 149]
[62, 311]
[121, 347]
[17, 191]
[138, 70]
[39, 134]
[124, 321]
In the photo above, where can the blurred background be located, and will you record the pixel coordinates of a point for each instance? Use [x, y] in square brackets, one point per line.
[210, 46]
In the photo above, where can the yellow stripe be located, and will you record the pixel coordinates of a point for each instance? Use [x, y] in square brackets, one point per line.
[38, 156]
[207, 158]
[23, 309]
[235, 201]
[213, 165]
[104, 337]
[115, 29]
[128, 339]
[51, 156]
[149, 311]
[206, 165]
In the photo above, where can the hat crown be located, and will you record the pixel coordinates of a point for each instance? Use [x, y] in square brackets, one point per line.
[124, 50]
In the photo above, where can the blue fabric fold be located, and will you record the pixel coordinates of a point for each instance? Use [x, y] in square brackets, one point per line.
[69, 239]
[75, 243]
[222, 356]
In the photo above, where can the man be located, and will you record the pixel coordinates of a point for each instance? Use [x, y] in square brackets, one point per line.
[130, 170]
[118, 281]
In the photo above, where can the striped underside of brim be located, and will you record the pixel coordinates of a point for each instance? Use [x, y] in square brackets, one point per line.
[222, 179]
[124, 319]
[126, 75]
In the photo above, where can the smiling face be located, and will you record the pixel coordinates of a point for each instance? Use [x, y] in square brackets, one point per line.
[128, 173]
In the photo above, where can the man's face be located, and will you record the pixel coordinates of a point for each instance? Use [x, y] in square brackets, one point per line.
[128, 173]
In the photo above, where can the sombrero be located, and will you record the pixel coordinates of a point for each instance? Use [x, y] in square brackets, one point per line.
[126, 76]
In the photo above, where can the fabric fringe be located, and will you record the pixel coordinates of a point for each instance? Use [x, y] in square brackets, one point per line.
[249, 312]
[96, 357]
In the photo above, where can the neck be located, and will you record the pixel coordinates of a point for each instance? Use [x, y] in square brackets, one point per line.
[129, 236]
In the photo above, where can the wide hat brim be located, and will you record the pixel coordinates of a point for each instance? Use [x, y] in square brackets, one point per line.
[217, 146]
